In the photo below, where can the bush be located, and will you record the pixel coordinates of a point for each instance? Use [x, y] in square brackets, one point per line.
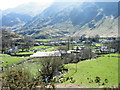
[16, 79]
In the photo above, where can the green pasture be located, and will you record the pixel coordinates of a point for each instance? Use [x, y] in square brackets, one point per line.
[4, 54]
[39, 47]
[87, 71]
[98, 44]
[11, 60]
[44, 40]
[23, 53]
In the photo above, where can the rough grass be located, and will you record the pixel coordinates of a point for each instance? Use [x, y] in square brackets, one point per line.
[30, 67]
[103, 67]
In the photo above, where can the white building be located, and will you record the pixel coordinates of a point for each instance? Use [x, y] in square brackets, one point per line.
[45, 54]
[13, 50]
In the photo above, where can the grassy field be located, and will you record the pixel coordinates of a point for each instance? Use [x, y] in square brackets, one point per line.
[50, 49]
[43, 40]
[12, 60]
[98, 44]
[39, 47]
[103, 67]
[112, 55]
[23, 53]
[4, 54]
[30, 67]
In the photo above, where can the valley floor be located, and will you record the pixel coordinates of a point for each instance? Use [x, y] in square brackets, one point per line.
[84, 73]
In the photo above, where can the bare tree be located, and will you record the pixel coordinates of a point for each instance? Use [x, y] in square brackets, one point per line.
[50, 67]
[86, 53]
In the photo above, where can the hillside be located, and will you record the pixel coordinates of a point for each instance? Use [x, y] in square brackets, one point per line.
[88, 70]
[11, 39]
[106, 27]
[6, 35]
[13, 19]
[71, 18]
[20, 15]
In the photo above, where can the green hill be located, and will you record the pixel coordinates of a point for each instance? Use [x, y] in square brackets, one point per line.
[104, 67]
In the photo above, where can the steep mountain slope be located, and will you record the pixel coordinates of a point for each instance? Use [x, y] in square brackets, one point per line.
[105, 23]
[106, 27]
[12, 19]
[18, 16]
[74, 18]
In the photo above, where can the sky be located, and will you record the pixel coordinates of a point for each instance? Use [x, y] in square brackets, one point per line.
[5, 4]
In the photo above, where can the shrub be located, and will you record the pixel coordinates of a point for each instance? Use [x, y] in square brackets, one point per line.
[16, 79]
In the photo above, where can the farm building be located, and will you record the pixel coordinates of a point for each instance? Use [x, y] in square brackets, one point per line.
[45, 54]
